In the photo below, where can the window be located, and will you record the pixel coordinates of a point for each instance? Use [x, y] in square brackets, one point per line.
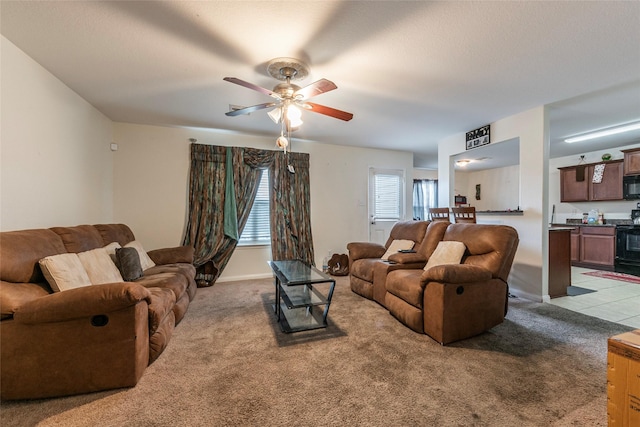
[257, 229]
[425, 196]
[387, 191]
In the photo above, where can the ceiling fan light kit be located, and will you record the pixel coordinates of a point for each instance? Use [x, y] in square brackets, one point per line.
[290, 99]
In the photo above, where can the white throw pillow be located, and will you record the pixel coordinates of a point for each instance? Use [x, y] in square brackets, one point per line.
[100, 267]
[447, 252]
[111, 250]
[145, 261]
[64, 272]
[398, 245]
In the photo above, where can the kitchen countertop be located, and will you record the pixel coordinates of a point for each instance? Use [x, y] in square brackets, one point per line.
[574, 225]
[607, 223]
[507, 212]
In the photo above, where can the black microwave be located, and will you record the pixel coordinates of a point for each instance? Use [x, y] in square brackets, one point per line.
[631, 187]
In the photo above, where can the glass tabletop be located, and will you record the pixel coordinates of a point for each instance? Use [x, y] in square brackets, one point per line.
[292, 272]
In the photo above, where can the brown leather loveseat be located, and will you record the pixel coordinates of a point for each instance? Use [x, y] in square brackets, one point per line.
[88, 338]
[454, 301]
[368, 272]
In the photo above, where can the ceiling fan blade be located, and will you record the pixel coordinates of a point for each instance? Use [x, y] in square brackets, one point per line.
[328, 111]
[251, 109]
[251, 86]
[315, 89]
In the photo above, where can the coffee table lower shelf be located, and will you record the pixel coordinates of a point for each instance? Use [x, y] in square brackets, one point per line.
[301, 318]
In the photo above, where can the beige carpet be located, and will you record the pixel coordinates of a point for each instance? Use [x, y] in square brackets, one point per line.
[229, 365]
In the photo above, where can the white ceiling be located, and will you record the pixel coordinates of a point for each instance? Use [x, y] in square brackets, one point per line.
[412, 72]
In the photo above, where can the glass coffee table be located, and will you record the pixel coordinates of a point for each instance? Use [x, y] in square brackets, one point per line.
[303, 295]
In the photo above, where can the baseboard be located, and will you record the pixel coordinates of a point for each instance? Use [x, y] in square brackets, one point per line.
[244, 277]
[526, 295]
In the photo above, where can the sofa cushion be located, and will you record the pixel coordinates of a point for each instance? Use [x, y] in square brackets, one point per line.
[128, 262]
[174, 281]
[120, 233]
[100, 267]
[408, 230]
[161, 304]
[80, 238]
[397, 246]
[406, 285]
[20, 252]
[449, 252]
[145, 261]
[64, 272]
[363, 268]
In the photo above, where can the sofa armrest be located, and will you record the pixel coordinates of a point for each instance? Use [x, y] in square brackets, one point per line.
[408, 258]
[81, 302]
[456, 273]
[178, 254]
[361, 250]
[14, 295]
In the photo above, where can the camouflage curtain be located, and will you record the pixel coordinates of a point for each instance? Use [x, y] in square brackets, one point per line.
[291, 208]
[290, 204]
[205, 223]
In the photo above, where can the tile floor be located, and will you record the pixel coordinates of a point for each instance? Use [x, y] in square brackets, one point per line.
[614, 300]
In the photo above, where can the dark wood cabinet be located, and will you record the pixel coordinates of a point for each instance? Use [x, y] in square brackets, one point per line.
[594, 247]
[575, 245]
[559, 261]
[574, 190]
[611, 186]
[632, 161]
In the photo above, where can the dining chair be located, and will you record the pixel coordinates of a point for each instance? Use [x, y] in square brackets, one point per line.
[439, 214]
[464, 214]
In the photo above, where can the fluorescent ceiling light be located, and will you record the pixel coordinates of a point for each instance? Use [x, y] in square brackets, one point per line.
[605, 132]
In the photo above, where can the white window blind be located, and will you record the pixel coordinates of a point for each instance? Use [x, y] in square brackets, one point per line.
[257, 230]
[387, 195]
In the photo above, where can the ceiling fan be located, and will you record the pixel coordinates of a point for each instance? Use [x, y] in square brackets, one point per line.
[288, 96]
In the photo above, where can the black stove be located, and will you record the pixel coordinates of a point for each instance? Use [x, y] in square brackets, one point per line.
[628, 246]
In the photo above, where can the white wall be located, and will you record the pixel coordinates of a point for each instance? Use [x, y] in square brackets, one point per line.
[56, 165]
[425, 174]
[499, 188]
[620, 209]
[151, 189]
[529, 277]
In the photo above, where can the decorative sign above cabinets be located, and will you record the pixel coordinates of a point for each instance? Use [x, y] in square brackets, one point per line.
[477, 138]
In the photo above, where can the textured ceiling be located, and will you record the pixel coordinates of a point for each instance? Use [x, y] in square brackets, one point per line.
[412, 73]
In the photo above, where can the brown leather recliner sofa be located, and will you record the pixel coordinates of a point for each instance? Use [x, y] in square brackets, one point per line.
[89, 338]
[368, 272]
[456, 301]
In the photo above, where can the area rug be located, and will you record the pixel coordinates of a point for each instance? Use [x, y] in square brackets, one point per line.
[574, 291]
[614, 276]
[228, 364]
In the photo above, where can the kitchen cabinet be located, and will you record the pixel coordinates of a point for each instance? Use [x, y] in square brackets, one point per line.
[575, 245]
[610, 188]
[572, 190]
[632, 161]
[559, 261]
[594, 247]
